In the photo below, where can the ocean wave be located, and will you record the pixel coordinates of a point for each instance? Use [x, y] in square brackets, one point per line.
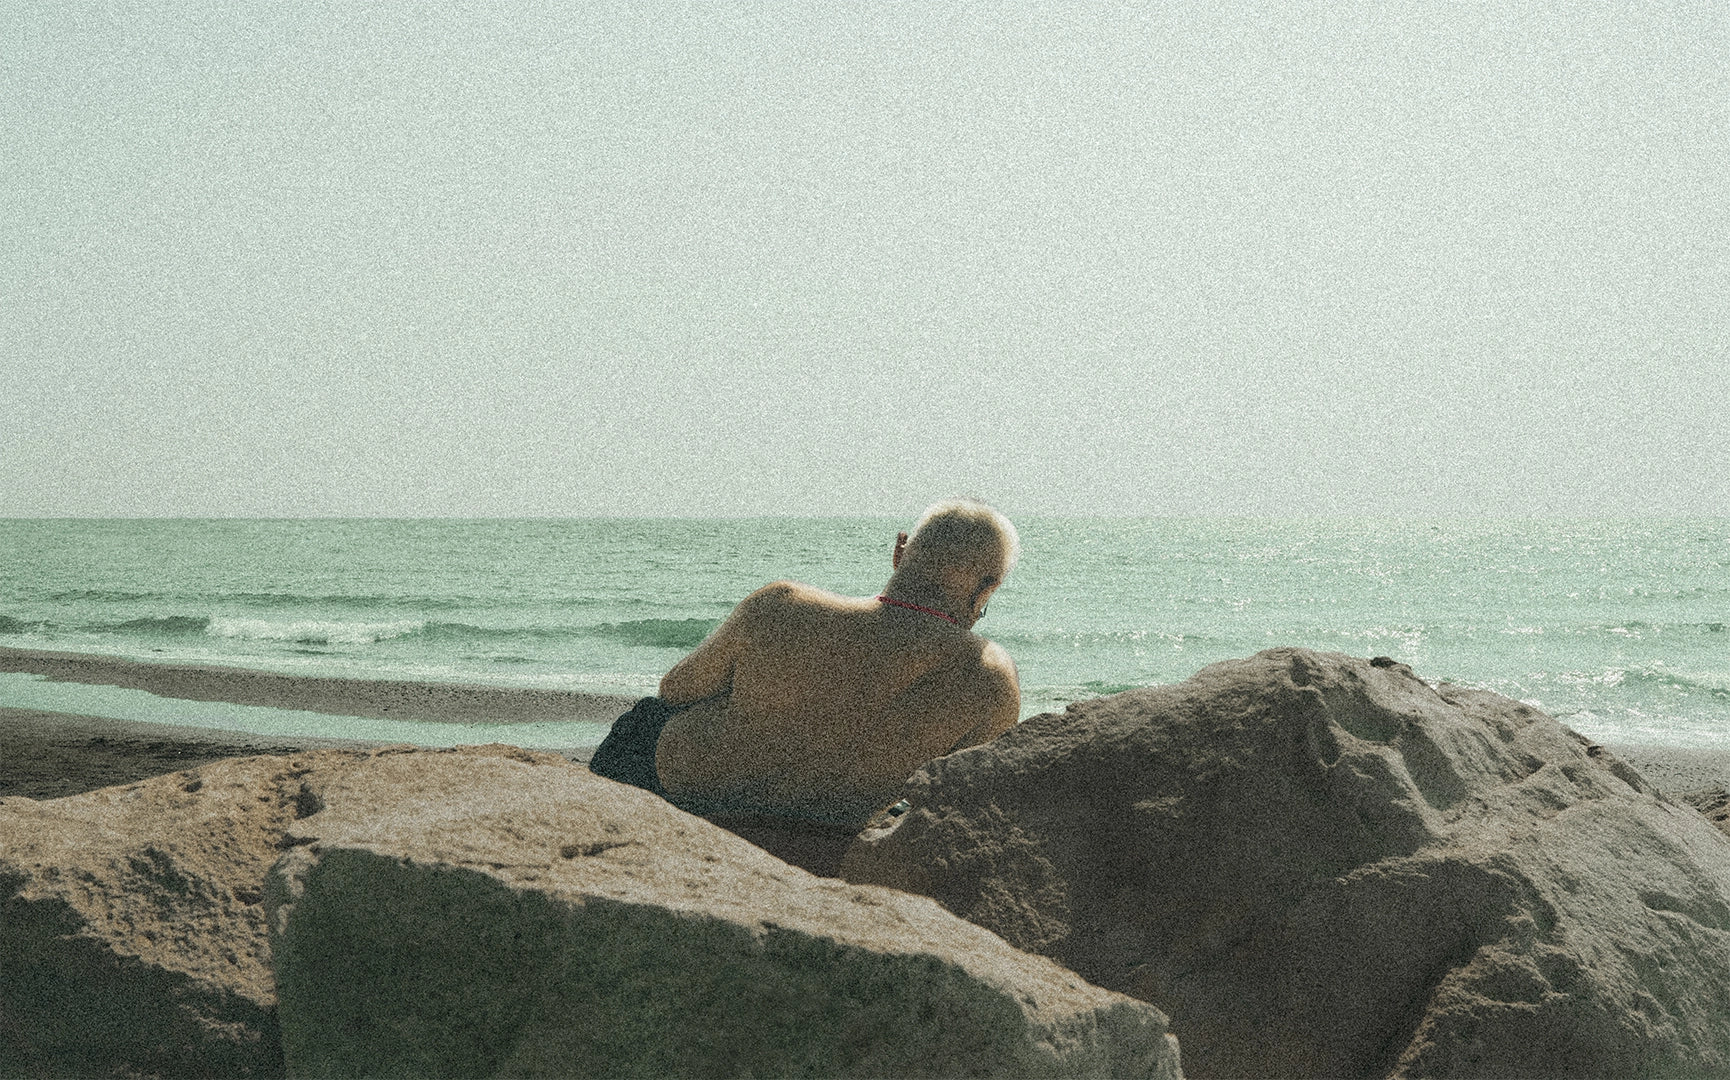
[1713, 683]
[364, 601]
[1631, 677]
[1083, 639]
[346, 600]
[1637, 627]
[460, 632]
[656, 633]
[110, 596]
[155, 625]
[648, 633]
[1103, 687]
[312, 631]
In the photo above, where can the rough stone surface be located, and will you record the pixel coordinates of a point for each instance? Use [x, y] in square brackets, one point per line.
[444, 917]
[132, 933]
[1322, 866]
[1714, 803]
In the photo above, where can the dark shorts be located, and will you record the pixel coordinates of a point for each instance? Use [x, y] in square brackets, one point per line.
[627, 754]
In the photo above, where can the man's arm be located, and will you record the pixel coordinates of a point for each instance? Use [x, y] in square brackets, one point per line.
[708, 671]
[960, 704]
[997, 690]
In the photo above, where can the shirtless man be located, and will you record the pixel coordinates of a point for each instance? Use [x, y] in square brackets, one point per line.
[811, 705]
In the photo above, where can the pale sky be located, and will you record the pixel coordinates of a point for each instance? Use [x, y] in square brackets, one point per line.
[498, 259]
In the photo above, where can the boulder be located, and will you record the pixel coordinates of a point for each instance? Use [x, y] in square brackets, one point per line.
[1714, 803]
[490, 909]
[1323, 866]
[438, 916]
[132, 933]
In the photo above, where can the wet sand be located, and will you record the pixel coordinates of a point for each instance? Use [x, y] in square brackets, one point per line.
[382, 699]
[46, 755]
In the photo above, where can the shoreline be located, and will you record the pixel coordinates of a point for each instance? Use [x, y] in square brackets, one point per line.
[46, 754]
[378, 699]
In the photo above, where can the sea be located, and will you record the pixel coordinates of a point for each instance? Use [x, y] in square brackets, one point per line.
[1621, 629]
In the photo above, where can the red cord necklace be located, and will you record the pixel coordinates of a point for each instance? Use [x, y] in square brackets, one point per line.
[916, 607]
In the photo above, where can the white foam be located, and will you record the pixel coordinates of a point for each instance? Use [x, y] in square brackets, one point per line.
[313, 631]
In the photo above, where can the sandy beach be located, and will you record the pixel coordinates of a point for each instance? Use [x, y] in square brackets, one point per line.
[46, 755]
[384, 699]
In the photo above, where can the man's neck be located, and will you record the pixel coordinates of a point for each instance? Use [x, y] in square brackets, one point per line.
[926, 594]
[945, 616]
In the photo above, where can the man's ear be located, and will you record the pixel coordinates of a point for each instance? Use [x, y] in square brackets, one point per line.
[900, 547]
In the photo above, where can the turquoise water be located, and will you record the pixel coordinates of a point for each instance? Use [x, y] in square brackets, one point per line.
[1619, 628]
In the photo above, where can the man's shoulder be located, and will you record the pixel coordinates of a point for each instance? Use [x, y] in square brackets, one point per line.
[978, 663]
[973, 697]
[994, 669]
[784, 596]
[995, 657]
[790, 592]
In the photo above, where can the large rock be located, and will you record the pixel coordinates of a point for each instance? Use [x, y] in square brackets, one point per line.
[1322, 866]
[490, 909]
[132, 933]
[1714, 803]
[470, 918]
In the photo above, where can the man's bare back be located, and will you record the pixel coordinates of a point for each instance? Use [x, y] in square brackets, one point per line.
[819, 705]
[807, 704]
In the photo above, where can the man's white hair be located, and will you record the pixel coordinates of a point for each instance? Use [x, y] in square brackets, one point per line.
[963, 530]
